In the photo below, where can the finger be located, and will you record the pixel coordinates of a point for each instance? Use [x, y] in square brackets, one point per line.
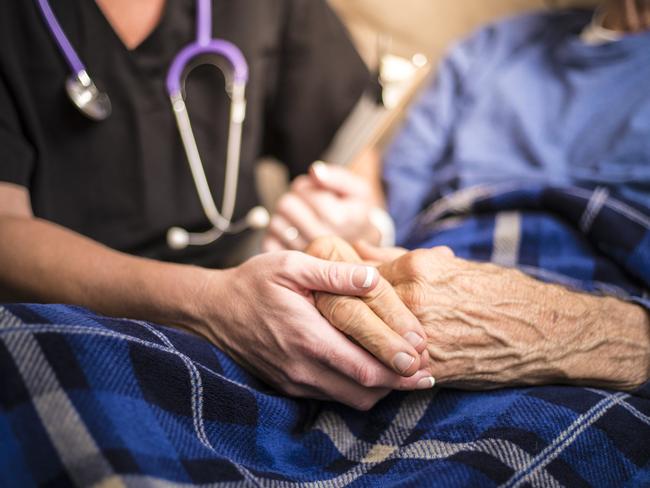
[333, 248]
[382, 324]
[443, 251]
[329, 385]
[324, 203]
[300, 215]
[271, 244]
[308, 377]
[339, 180]
[415, 264]
[332, 386]
[287, 234]
[304, 183]
[387, 305]
[356, 320]
[425, 359]
[360, 366]
[378, 254]
[310, 273]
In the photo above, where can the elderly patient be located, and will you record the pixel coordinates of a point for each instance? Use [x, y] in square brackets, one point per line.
[530, 149]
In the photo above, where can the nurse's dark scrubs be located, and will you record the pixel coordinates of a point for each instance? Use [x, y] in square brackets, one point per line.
[125, 181]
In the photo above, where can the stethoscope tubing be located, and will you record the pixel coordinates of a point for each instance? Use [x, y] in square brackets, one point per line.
[69, 53]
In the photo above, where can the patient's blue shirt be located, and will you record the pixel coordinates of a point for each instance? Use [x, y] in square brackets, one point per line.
[527, 100]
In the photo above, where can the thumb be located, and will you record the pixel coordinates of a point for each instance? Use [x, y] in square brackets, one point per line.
[335, 277]
[338, 180]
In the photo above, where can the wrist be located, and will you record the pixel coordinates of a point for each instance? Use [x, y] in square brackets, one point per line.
[171, 294]
[613, 351]
[629, 338]
[206, 306]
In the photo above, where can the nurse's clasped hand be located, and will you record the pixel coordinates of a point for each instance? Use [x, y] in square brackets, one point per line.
[262, 313]
[329, 200]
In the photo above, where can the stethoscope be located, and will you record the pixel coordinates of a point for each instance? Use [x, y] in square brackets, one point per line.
[96, 105]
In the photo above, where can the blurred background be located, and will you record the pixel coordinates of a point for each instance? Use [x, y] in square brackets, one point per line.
[402, 42]
[427, 26]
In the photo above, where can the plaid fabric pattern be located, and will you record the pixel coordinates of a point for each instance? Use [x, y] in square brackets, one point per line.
[87, 400]
[586, 239]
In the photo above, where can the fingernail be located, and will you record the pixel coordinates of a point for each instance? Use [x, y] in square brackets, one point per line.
[414, 339]
[426, 383]
[402, 362]
[320, 170]
[364, 277]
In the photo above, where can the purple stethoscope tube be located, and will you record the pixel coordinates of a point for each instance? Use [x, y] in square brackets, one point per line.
[96, 105]
[204, 44]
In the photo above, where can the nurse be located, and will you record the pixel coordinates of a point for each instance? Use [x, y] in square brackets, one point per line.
[85, 206]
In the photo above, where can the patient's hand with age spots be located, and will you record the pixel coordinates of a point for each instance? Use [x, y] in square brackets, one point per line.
[381, 323]
[490, 327]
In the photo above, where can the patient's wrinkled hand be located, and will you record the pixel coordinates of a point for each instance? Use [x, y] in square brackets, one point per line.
[379, 322]
[490, 326]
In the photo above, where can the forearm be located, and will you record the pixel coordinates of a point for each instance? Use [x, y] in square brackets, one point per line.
[610, 344]
[514, 329]
[42, 262]
[488, 326]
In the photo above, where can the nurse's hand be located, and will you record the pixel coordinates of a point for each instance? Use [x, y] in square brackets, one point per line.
[330, 200]
[379, 321]
[262, 313]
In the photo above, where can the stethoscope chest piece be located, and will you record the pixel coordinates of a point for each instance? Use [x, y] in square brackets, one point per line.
[85, 95]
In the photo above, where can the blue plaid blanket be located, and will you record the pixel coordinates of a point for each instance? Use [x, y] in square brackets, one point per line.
[89, 400]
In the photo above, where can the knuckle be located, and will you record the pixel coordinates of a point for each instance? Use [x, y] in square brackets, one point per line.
[290, 262]
[342, 309]
[416, 261]
[301, 182]
[286, 204]
[322, 247]
[381, 293]
[335, 276]
[445, 251]
[298, 376]
[366, 376]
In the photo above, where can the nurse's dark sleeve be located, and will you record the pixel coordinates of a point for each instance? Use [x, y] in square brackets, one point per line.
[321, 79]
[16, 153]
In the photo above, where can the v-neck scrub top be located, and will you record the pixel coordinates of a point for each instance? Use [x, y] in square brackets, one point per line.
[125, 181]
